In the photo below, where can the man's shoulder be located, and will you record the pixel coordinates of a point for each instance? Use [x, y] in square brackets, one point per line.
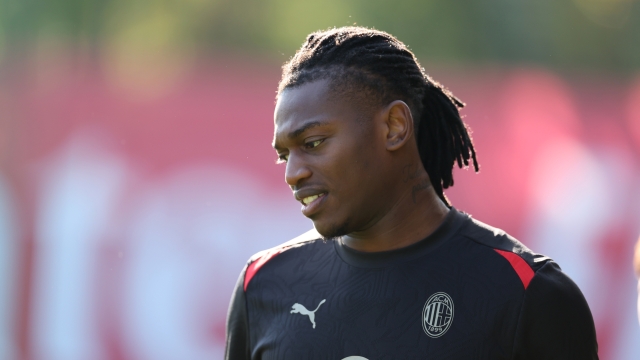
[501, 242]
[299, 241]
[500, 245]
[544, 281]
[555, 320]
[258, 260]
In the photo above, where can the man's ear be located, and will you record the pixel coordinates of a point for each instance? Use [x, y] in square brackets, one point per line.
[399, 124]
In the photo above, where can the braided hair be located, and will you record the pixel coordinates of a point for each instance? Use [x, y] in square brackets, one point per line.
[358, 60]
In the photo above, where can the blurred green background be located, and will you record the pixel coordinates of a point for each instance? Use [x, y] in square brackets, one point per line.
[567, 35]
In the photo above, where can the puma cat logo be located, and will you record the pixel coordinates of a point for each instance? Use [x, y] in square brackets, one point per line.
[300, 309]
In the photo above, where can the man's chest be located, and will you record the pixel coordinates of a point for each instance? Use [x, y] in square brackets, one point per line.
[382, 314]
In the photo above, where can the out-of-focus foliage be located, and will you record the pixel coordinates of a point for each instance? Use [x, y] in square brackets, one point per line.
[563, 34]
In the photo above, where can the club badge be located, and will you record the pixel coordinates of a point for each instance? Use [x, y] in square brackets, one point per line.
[437, 314]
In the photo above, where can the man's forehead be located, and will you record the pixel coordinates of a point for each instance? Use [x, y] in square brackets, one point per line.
[300, 106]
[302, 99]
[311, 105]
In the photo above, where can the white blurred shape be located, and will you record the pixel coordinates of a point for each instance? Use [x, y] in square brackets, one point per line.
[8, 273]
[574, 204]
[190, 237]
[570, 188]
[79, 190]
[581, 195]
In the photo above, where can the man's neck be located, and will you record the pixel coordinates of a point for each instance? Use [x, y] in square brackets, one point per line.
[417, 213]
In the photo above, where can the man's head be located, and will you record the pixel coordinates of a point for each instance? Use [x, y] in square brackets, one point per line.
[350, 104]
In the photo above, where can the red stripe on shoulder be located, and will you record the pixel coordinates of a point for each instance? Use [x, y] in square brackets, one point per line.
[264, 257]
[524, 271]
[253, 268]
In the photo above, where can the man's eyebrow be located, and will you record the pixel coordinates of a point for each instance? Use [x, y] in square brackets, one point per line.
[299, 131]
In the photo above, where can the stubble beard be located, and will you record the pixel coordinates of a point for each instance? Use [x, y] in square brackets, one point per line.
[335, 232]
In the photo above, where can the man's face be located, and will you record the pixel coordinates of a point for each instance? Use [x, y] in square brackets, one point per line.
[333, 154]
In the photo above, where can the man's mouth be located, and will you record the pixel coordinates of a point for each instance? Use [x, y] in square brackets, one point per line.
[311, 203]
[309, 199]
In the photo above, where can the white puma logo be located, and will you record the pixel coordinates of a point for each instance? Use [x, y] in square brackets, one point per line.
[300, 309]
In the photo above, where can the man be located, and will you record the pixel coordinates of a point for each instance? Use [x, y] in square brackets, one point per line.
[392, 270]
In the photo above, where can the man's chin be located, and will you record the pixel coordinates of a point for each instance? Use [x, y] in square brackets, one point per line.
[331, 231]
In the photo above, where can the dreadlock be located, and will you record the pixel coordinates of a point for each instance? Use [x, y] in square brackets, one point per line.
[361, 59]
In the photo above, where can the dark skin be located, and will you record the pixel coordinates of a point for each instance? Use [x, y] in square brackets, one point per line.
[362, 164]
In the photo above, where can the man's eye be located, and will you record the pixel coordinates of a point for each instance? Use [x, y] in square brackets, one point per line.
[312, 144]
[283, 158]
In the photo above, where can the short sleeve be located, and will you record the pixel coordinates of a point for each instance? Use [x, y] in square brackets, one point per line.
[237, 342]
[555, 320]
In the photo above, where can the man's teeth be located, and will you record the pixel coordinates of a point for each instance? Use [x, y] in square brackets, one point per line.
[309, 199]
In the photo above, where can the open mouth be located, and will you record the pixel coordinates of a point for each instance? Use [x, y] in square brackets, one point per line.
[311, 204]
[309, 199]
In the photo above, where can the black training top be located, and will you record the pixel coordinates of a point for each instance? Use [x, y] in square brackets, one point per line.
[467, 291]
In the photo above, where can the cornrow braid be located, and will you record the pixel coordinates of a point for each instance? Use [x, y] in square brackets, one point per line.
[359, 59]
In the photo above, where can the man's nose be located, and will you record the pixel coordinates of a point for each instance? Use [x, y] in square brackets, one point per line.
[296, 170]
